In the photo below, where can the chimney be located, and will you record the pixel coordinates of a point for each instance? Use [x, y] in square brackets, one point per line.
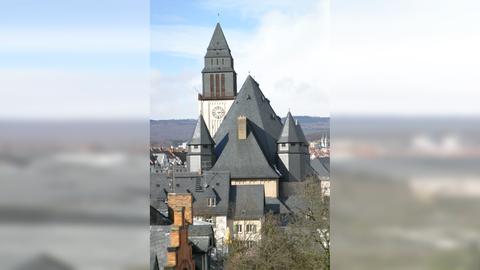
[184, 200]
[242, 127]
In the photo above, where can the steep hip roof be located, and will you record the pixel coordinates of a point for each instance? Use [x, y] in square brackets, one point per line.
[263, 122]
[291, 132]
[201, 135]
[218, 46]
[245, 159]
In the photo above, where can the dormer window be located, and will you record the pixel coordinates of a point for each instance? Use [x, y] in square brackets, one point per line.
[212, 202]
[283, 144]
[195, 146]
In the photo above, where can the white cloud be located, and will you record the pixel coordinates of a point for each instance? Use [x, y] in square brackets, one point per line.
[420, 58]
[174, 96]
[287, 55]
[74, 39]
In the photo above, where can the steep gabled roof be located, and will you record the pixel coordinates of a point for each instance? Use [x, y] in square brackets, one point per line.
[291, 132]
[263, 121]
[201, 135]
[218, 46]
[159, 240]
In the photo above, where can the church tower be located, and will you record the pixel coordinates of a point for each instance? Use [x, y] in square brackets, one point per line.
[292, 147]
[200, 154]
[219, 81]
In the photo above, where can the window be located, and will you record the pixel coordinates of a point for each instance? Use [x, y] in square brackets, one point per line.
[223, 61]
[211, 202]
[195, 146]
[238, 228]
[283, 145]
[211, 61]
[210, 220]
[251, 228]
[205, 146]
[293, 144]
[217, 61]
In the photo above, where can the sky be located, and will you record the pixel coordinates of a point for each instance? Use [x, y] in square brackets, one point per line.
[326, 57]
[282, 44]
[64, 60]
[143, 59]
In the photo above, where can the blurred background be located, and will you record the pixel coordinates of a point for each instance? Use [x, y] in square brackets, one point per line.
[405, 174]
[74, 108]
[402, 78]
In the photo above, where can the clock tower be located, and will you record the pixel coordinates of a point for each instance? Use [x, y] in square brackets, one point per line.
[219, 81]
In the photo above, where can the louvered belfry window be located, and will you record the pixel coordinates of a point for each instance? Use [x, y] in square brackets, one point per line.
[223, 85]
[217, 85]
[211, 85]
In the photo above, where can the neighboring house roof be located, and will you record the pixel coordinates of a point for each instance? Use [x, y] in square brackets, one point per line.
[201, 135]
[248, 202]
[202, 187]
[159, 187]
[262, 121]
[159, 216]
[202, 237]
[291, 132]
[275, 206]
[295, 203]
[181, 155]
[244, 159]
[320, 167]
[159, 241]
[44, 262]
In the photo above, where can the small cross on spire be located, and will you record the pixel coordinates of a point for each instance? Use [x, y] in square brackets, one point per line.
[218, 17]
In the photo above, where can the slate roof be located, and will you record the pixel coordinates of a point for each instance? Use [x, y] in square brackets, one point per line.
[201, 236]
[218, 46]
[159, 240]
[263, 122]
[275, 206]
[295, 203]
[159, 187]
[321, 167]
[245, 159]
[159, 215]
[201, 187]
[248, 202]
[201, 135]
[291, 132]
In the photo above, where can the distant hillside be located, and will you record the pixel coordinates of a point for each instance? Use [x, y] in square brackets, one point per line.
[173, 132]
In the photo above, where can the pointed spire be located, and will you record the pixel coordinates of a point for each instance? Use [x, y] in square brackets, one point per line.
[291, 132]
[218, 41]
[201, 135]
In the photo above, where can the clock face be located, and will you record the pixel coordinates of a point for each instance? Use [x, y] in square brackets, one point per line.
[218, 112]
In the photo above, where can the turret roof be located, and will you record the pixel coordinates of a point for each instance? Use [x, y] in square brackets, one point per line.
[291, 132]
[201, 135]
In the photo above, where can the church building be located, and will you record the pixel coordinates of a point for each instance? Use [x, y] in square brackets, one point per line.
[243, 160]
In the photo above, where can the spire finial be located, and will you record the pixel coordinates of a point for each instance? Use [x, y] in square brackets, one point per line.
[218, 17]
